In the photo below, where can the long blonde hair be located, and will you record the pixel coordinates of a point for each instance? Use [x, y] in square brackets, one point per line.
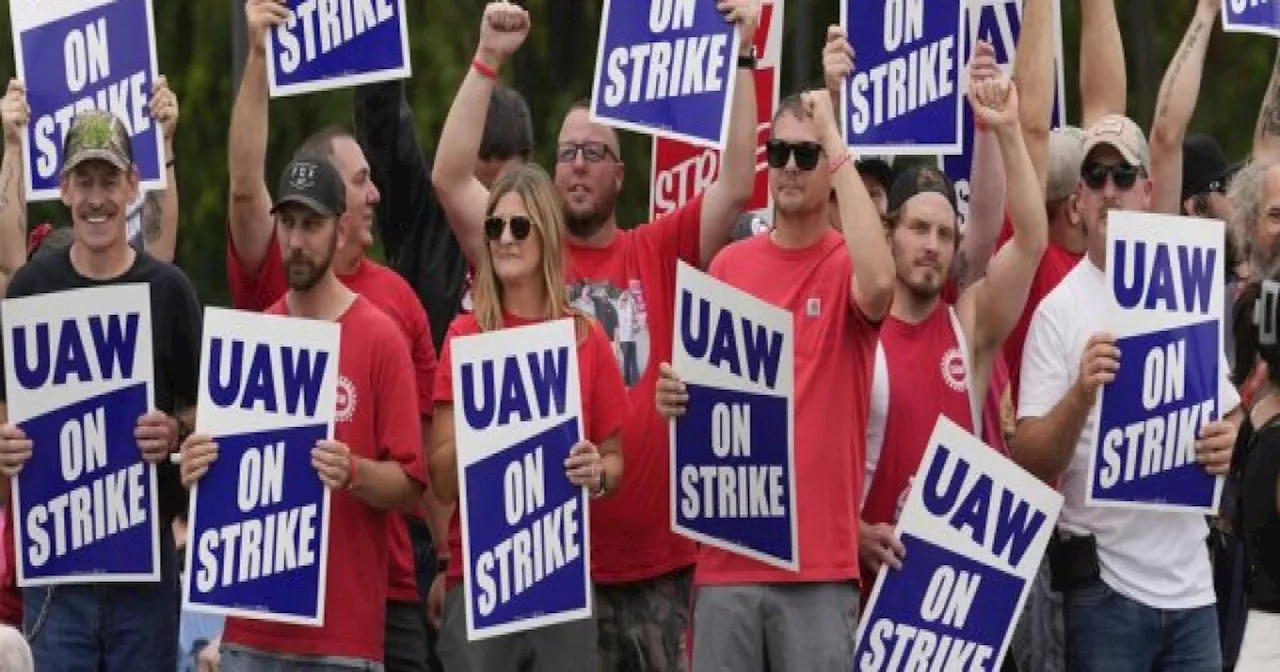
[546, 212]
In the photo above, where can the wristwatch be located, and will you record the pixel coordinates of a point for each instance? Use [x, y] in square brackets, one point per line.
[748, 60]
[603, 488]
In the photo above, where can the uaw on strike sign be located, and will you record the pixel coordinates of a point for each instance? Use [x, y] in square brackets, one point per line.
[733, 451]
[75, 55]
[517, 413]
[1165, 308]
[327, 44]
[975, 528]
[78, 375]
[259, 518]
[682, 170]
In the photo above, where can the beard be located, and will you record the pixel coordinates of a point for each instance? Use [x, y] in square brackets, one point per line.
[586, 224]
[305, 274]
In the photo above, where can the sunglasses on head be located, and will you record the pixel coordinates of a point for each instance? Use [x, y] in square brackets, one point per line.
[779, 153]
[1218, 186]
[494, 225]
[593, 152]
[1123, 174]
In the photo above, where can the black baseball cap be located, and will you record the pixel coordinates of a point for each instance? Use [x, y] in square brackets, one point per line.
[314, 184]
[877, 169]
[921, 178]
[1203, 163]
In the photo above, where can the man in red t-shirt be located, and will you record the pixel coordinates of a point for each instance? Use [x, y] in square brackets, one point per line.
[257, 273]
[374, 464]
[640, 567]
[838, 286]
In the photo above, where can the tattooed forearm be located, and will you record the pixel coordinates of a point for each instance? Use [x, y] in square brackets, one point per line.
[1194, 34]
[1271, 105]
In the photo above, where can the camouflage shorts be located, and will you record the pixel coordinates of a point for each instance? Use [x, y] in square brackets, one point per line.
[643, 626]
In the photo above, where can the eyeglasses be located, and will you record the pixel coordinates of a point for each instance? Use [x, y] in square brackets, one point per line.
[593, 152]
[779, 153]
[494, 226]
[1123, 174]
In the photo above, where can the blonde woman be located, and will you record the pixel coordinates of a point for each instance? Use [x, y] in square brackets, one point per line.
[520, 282]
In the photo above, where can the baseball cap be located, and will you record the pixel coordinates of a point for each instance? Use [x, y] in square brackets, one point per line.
[921, 178]
[1203, 163]
[314, 184]
[1124, 135]
[96, 135]
[1066, 153]
[876, 168]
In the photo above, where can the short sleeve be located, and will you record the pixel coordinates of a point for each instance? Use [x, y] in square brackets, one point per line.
[19, 287]
[677, 234]
[424, 356]
[609, 407]
[188, 330]
[1045, 377]
[255, 289]
[397, 424]
[444, 368]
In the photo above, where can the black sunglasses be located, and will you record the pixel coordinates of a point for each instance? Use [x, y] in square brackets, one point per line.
[1123, 174]
[806, 153]
[494, 225]
[593, 152]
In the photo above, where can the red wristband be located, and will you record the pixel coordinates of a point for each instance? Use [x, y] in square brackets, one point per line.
[840, 164]
[351, 471]
[484, 69]
[980, 126]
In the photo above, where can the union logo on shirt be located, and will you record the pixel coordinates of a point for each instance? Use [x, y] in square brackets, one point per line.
[953, 370]
[347, 397]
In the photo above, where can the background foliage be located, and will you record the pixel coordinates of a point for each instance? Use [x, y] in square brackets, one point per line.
[199, 52]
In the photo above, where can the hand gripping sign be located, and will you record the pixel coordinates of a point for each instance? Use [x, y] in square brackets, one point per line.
[78, 375]
[975, 529]
[682, 171]
[666, 67]
[518, 411]
[998, 22]
[75, 55]
[259, 518]
[904, 96]
[327, 44]
[1165, 307]
[1251, 16]
[733, 451]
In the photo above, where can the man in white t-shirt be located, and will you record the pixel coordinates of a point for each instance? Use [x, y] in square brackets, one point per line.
[1144, 599]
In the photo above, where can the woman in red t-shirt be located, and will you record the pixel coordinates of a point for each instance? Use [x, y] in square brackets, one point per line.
[520, 283]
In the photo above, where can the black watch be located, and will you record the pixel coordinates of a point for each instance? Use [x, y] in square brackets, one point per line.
[442, 564]
[748, 61]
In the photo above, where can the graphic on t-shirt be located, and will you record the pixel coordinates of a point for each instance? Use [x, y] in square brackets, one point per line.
[623, 315]
[953, 371]
[346, 405]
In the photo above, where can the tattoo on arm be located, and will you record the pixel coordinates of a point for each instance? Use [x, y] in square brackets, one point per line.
[4, 188]
[1189, 45]
[1271, 106]
[960, 269]
[152, 217]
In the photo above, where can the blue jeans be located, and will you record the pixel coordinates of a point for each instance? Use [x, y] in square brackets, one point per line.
[1109, 632]
[122, 627]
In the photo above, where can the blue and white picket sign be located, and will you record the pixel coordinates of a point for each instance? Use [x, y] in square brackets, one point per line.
[1251, 16]
[525, 545]
[975, 528]
[736, 356]
[1165, 309]
[328, 45]
[259, 518]
[998, 22]
[904, 97]
[74, 55]
[666, 68]
[78, 375]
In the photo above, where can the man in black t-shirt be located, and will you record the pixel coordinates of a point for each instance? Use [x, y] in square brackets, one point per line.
[117, 626]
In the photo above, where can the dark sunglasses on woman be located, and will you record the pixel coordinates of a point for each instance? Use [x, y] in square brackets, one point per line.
[494, 226]
[779, 152]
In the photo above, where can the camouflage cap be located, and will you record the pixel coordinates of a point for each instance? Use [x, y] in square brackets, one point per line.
[96, 135]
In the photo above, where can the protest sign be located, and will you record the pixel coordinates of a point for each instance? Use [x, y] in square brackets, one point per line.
[681, 171]
[1165, 304]
[329, 45]
[517, 413]
[76, 55]
[998, 22]
[1251, 16]
[904, 96]
[975, 529]
[733, 451]
[259, 518]
[78, 375]
[666, 68]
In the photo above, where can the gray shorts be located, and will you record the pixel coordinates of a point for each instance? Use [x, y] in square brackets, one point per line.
[567, 647]
[803, 627]
[235, 658]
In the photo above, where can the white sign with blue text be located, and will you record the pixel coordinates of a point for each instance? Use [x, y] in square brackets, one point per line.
[733, 482]
[666, 68]
[517, 413]
[904, 96]
[259, 518]
[76, 55]
[975, 528]
[1251, 16]
[328, 45]
[1165, 305]
[78, 375]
